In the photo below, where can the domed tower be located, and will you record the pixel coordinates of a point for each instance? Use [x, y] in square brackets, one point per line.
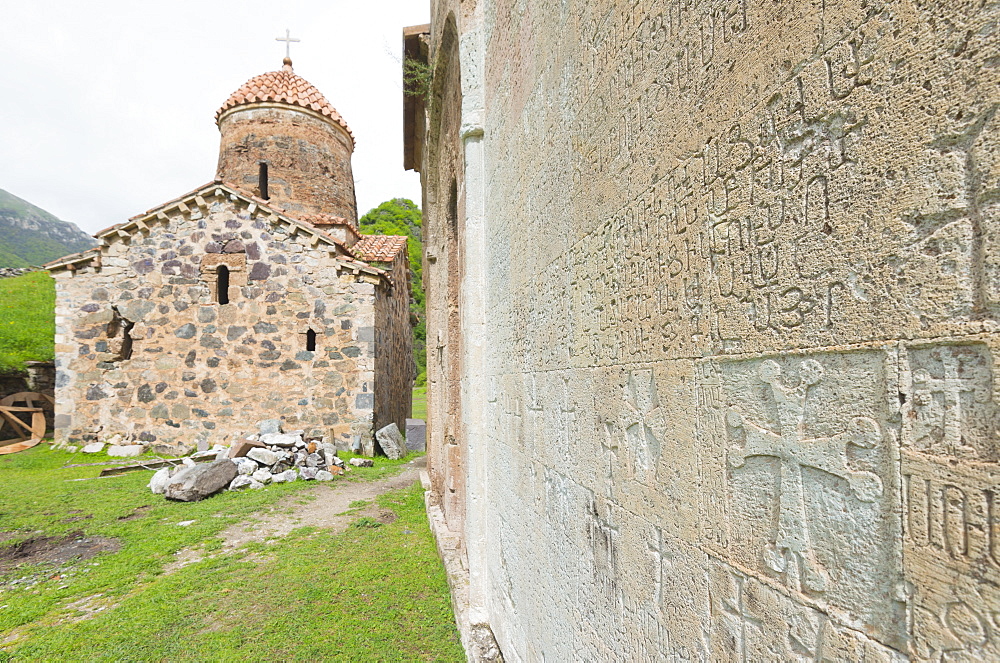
[283, 141]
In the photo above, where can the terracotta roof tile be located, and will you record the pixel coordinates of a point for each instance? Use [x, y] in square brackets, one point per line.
[379, 248]
[323, 219]
[285, 87]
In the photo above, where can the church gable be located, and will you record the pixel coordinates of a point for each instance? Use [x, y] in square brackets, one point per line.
[212, 312]
[195, 206]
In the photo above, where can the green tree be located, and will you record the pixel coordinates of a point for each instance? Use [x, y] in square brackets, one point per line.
[400, 216]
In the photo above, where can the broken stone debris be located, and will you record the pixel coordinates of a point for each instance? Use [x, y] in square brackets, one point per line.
[391, 441]
[191, 484]
[244, 481]
[361, 462]
[258, 460]
[241, 448]
[262, 476]
[263, 456]
[158, 484]
[126, 450]
[94, 448]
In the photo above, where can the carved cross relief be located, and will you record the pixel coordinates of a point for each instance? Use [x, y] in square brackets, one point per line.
[791, 551]
[950, 385]
[643, 424]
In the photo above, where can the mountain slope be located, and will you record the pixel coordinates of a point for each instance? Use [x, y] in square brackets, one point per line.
[31, 236]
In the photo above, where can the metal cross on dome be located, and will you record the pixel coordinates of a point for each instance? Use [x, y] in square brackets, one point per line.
[288, 39]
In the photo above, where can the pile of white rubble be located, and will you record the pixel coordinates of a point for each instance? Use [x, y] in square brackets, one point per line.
[272, 457]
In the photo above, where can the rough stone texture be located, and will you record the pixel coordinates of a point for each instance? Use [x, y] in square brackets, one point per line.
[263, 456]
[201, 384]
[125, 450]
[309, 159]
[241, 448]
[392, 336]
[416, 434]
[268, 426]
[391, 441]
[241, 481]
[94, 448]
[158, 483]
[196, 483]
[282, 477]
[724, 324]
[278, 440]
[262, 475]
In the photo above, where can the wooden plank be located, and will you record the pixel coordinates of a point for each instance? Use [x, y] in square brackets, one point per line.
[18, 446]
[19, 426]
[151, 465]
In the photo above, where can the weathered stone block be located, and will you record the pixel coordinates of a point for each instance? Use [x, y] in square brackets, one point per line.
[391, 441]
[126, 450]
[263, 456]
[416, 434]
[197, 483]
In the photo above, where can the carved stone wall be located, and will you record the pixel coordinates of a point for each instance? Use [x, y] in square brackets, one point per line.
[742, 280]
[443, 182]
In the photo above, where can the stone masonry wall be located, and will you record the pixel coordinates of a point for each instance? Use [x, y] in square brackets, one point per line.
[394, 367]
[145, 351]
[742, 277]
[443, 255]
[309, 160]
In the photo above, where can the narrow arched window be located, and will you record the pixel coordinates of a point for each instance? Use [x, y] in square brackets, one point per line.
[222, 284]
[262, 180]
[311, 341]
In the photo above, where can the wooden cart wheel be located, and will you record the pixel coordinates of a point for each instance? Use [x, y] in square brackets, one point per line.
[23, 413]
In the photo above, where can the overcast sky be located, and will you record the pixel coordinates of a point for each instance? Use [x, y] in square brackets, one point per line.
[107, 108]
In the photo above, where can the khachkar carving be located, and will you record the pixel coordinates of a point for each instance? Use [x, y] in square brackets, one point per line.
[791, 552]
[752, 621]
[949, 411]
[643, 424]
[951, 531]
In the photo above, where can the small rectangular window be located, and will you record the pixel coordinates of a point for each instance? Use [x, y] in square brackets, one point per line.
[222, 284]
[311, 341]
[262, 181]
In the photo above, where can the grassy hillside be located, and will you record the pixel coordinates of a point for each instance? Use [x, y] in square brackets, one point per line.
[27, 320]
[31, 236]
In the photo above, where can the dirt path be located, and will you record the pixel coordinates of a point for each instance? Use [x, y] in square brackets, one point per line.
[327, 511]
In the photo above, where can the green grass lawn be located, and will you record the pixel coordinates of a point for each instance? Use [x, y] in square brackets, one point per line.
[371, 593]
[419, 408]
[27, 320]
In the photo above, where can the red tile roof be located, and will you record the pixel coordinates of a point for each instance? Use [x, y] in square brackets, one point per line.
[379, 248]
[323, 219]
[283, 87]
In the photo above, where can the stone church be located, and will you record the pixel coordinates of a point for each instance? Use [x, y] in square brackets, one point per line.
[713, 324]
[252, 297]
